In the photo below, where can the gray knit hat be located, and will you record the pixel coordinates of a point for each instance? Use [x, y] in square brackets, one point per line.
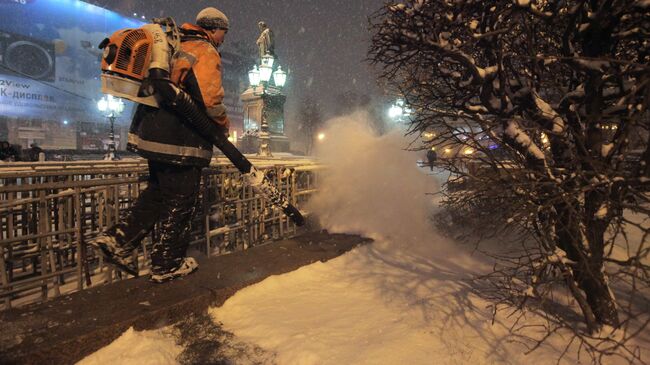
[212, 18]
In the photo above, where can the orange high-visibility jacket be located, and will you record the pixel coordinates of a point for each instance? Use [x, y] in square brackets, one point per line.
[197, 69]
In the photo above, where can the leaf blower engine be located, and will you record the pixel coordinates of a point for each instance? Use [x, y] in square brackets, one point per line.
[129, 55]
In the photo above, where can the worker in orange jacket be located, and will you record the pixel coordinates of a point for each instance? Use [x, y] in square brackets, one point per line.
[176, 153]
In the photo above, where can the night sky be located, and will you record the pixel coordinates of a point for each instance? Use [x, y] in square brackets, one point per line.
[323, 42]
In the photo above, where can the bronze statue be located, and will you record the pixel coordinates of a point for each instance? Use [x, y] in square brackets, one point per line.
[266, 41]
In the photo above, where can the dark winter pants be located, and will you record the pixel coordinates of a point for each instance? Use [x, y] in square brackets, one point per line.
[170, 198]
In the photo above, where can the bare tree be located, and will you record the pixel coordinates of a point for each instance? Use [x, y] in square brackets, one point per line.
[540, 110]
[311, 120]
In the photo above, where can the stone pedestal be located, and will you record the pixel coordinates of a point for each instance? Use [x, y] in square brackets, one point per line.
[264, 111]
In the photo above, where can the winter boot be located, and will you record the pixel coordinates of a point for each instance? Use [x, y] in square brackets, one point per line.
[187, 266]
[114, 254]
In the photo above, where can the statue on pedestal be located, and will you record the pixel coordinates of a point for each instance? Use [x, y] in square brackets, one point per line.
[266, 41]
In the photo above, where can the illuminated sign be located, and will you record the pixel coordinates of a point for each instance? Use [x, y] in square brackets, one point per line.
[49, 60]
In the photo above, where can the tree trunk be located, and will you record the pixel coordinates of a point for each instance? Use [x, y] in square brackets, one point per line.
[601, 301]
[592, 276]
[588, 268]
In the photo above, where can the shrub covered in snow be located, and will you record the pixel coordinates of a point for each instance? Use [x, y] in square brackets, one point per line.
[553, 98]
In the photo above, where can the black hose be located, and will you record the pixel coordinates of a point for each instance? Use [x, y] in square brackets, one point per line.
[212, 131]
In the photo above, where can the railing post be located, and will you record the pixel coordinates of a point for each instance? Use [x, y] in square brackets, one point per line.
[4, 277]
[79, 238]
[40, 215]
[294, 200]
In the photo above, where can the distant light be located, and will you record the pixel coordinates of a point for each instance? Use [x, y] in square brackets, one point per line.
[321, 136]
[544, 138]
[447, 150]
[433, 148]
[468, 151]
[102, 105]
[395, 111]
[143, 17]
[135, 14]
[493, 146]
[110, 104]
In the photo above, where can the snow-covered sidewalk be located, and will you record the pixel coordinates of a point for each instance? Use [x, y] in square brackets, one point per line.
[369, 307]
[405, 299]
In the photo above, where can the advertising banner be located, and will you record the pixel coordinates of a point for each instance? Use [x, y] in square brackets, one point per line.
[49, 60]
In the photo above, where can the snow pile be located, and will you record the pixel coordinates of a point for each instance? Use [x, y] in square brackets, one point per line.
[137, 348]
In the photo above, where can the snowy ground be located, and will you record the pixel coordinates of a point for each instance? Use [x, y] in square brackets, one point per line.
[142, 348]
[405, 299]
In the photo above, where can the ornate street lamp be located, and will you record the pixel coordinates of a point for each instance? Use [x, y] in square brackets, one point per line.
[262, 77]
[265, 97]
[111, 107]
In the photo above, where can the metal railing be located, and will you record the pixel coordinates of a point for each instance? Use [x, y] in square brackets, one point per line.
[50, 211]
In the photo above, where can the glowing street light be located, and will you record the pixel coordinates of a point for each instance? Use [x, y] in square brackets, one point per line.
[395, 112]
[321, 136]
[428, 136]
[280, 77]
[112, 107]
[254, 76]
[266, 68]
[268, 60]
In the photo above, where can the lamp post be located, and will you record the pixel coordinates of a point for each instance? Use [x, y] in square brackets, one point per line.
[262, 77]
[112, 107]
